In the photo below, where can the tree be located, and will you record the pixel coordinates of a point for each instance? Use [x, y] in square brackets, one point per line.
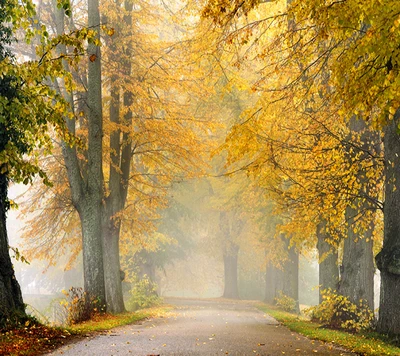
[387, 259]
[357, 269]
[10, 294]
[87, 189]
[233, 201]
[294, 85]
[230, 228]
[362, 57]
[368, 34]
[28, 109]
[153, 135]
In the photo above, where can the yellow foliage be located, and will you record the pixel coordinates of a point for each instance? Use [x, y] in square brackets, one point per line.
[297, 141]
[338, 312]
[165, 125]
[285, 302]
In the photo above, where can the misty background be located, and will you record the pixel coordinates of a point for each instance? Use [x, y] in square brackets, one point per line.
[192, 268]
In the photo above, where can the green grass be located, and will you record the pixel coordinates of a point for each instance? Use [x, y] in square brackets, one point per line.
[363, 343]
[103, 322]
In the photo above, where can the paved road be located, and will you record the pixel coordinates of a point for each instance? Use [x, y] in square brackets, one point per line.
[203, 328]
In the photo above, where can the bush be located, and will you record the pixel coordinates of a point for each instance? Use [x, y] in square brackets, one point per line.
[285, 302]
[337, 312]
[78, 306]
[143, 294]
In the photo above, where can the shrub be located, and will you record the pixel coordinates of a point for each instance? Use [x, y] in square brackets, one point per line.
[285, 302]
[78, 306]
[143, 294]
[337, 312]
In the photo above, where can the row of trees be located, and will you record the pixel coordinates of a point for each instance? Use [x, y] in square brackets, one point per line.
[322, 139]
[154, 138]
[133, 115]
[140, 122]
[307, 93]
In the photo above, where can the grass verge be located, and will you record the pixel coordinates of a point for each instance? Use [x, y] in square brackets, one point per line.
[31, 339]
[362, 343]
[102, 322]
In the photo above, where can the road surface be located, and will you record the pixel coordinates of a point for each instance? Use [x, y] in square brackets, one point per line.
[205, 327]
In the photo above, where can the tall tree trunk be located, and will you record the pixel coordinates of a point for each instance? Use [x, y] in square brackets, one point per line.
[92, 250]
[285, 280]
[112, 266]
[11, 303]
[230, 227]
[357, 277]
[113, 204]
[357, 270]
[120, 160]
[144, 261]
[231, 272]
[87, 186]
[149, 269]
[273, 282]
[91, 210]
[291, 276]
[328, 261]
[388, 259]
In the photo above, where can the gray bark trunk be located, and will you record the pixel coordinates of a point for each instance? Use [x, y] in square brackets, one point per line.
[11, 303]
[273, 283]
[149, 269]
[111, 226]
[357, 270]
[112, 266]
[120, 158]
[231, 272]
[285, 280]
[328, 262]
[91, 214]
[95, 116]
[92, 250]
[145, 263]
[230, 228]
[87, 193]
[388, 259]
[291, 276]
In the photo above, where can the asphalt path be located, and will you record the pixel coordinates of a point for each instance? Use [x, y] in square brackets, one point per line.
[203, 327]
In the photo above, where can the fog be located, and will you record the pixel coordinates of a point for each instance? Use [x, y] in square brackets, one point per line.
[189, 264]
